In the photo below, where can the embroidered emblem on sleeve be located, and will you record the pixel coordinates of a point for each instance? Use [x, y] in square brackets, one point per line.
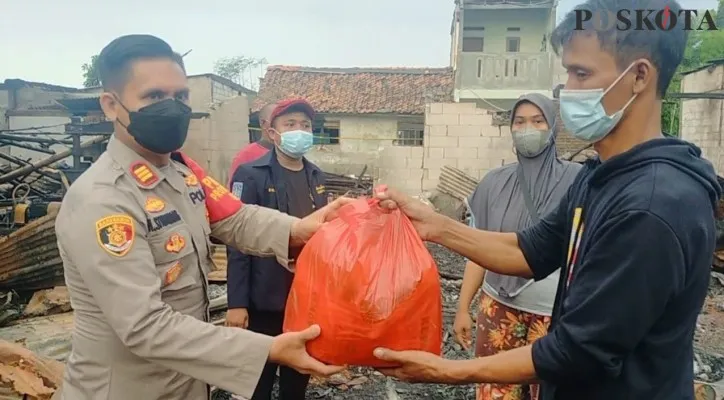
[175, 243]
[154, 205]
[115, 234]
[191, 180]
[143, 174]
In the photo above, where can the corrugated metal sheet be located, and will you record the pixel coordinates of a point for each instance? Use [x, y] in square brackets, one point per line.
[29, 258]
[46, 336]
[456, 183]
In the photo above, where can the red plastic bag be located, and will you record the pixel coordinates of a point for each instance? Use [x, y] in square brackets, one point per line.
[368, 281]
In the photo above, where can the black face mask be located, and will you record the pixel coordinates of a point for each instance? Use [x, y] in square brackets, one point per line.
[160, 127]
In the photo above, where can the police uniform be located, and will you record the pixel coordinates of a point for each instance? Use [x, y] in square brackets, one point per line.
[134, 240]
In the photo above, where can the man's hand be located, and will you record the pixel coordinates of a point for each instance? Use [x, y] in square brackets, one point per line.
[303, 229]
[290, 349]
[416, 366]
[463, 328]
[237, 318]
[427, 222]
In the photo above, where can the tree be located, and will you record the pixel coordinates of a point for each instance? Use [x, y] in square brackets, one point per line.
[90, 73]
[702, 47]
[240, 69]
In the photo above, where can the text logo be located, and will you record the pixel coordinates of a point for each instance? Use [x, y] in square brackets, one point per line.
[645, 20]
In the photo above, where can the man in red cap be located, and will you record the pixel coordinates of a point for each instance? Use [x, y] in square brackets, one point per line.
[253, 151]
[285, 180]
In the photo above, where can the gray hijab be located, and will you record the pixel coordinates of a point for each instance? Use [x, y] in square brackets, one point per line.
[498, 202]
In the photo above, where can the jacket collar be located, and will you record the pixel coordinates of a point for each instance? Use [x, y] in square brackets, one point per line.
[144, 173]
[270, 159]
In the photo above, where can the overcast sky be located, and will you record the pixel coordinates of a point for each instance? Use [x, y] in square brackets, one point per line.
[48, 41]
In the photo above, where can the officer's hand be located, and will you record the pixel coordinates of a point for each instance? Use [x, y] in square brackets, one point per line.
[290, 349]
[304, 228]
[237, 318]
[427, 222]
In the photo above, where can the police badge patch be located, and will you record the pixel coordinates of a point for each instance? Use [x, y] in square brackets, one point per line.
[175, 243]
[115, 234]
[237, 188]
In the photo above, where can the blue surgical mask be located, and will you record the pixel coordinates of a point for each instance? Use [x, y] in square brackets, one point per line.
[296, 144]
[583, 114]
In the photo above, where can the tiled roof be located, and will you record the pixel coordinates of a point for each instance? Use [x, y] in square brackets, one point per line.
[358, 90]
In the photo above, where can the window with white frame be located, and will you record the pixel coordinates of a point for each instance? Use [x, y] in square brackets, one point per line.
[409, 134]
[327, 133]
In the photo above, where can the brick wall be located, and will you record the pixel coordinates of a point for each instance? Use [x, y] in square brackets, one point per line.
[456, 134]
[463, 136]
[367, 140]
[702, 119]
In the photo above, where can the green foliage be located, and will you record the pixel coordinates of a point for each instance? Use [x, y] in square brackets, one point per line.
[90, 73]
[703, 46]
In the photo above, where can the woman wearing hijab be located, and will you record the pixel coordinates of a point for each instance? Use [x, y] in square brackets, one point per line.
[514, 311]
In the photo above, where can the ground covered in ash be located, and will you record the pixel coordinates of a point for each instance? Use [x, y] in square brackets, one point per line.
[709, 337]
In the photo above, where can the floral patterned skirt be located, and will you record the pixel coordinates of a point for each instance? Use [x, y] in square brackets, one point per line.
[501, 328]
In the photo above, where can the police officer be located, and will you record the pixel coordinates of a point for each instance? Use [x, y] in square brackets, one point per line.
[133, 232]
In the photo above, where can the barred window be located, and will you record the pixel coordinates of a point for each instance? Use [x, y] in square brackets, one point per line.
[327, 134]
[409, 134]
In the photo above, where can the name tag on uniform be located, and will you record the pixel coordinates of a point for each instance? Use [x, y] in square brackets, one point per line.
[169, 218]
[237, 188]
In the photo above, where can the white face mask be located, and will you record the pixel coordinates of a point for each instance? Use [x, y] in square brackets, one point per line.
[583, 114]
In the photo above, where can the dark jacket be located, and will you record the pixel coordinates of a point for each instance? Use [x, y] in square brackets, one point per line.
[260, 283]
[636, 236]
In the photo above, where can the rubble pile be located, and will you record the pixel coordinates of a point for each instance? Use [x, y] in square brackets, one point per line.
[29, 258]
[708, 344]
[23, 375]
[350, 185]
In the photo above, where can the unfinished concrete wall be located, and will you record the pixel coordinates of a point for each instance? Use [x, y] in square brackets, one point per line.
[205, 91]
[368, 140]
[200, 97]
[463, 136]
[702, 119]
[361, 140]
[213, 141]
[456, 134]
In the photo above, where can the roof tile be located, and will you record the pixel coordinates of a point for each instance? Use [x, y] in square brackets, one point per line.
[358, 90]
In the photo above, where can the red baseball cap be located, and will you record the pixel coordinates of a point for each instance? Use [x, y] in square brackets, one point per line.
[292, 105]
